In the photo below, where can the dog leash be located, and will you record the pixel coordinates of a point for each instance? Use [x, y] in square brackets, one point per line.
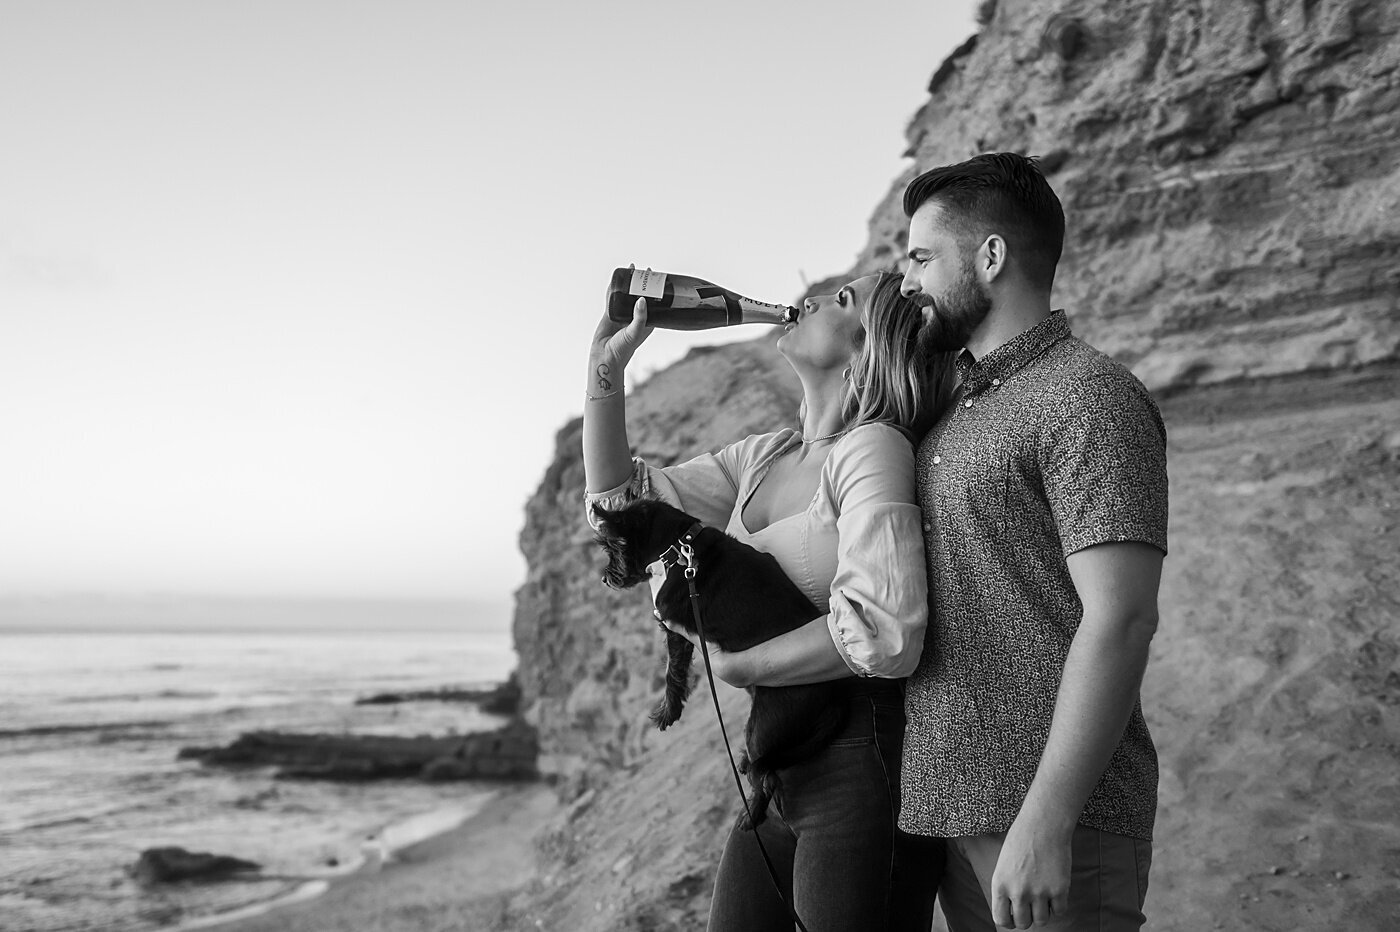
[685, 556]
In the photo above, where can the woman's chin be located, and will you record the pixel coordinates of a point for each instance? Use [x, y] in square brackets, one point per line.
[796, 358]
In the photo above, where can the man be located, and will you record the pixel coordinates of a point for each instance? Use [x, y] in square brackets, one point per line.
[1044, 492]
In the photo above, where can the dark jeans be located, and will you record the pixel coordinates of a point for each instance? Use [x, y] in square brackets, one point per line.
[1107, 883]
[831, 833]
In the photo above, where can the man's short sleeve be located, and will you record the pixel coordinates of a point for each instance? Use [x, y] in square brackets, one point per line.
[1106, 465]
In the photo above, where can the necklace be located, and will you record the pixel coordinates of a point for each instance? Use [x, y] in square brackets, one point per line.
[827, 437]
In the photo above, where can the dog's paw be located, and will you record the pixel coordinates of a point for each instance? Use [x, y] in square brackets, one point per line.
[765, 785]
[665, 714]
[755, 815]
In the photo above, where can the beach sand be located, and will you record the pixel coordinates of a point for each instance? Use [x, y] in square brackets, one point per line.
[458, 881]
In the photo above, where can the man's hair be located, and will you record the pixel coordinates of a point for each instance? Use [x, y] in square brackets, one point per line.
[998, 192]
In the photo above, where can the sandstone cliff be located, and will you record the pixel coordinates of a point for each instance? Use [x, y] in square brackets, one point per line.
[1228, 169]
[1231, 177]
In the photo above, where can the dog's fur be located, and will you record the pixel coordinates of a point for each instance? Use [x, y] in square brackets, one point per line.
[745, 598]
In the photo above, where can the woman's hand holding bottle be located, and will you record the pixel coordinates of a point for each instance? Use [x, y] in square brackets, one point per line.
[612, 348]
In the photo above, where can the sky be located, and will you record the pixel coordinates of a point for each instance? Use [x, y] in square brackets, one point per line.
[295, 295]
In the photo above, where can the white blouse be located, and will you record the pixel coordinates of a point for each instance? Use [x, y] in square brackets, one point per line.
[857, 551]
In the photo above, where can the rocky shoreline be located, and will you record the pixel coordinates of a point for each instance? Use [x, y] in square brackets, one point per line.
[507, 756]
[464, 878]
[501, 699]
[510, 752]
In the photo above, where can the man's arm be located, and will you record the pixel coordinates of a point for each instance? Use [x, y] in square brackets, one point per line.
[1117, 584]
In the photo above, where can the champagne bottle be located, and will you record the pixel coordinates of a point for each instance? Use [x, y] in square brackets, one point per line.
[683, 302]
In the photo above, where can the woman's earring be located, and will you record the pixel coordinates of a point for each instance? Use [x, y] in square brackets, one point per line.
[846, 373]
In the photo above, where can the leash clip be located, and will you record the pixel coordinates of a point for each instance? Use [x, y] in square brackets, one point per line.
[687, 559]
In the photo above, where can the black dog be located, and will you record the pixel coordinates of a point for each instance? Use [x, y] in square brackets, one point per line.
[745, 598]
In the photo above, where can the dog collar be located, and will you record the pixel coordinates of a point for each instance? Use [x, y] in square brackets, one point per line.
[682, 552]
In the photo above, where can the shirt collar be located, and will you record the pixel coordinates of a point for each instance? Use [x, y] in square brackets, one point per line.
[1004, 361]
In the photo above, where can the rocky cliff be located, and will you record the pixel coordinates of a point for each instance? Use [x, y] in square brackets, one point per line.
[1230, 172]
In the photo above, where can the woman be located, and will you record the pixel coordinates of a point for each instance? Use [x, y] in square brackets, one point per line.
[835, 504]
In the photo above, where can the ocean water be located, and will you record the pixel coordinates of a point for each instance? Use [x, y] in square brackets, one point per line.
[90, 724]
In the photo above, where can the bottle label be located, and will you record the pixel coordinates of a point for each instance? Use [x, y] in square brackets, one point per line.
[782, 309]
[647, 284]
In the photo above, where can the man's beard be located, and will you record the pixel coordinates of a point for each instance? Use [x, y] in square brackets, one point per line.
[956, 313]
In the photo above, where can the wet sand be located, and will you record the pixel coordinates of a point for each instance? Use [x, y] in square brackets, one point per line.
[460, 880]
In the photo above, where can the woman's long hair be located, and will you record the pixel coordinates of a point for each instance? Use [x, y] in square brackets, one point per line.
[895, 377]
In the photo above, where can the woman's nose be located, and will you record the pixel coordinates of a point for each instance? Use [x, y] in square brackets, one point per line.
[809, 305]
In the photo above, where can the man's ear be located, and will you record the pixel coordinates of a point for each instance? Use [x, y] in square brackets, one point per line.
[992, 257]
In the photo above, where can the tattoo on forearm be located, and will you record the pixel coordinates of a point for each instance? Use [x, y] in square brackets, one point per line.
[604, 383]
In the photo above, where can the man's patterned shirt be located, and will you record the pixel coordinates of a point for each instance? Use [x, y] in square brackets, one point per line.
[1050, 447]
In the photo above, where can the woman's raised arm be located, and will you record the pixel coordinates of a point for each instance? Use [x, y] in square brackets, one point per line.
[607, 457]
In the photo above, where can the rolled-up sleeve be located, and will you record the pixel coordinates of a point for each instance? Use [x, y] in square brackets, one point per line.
[705, 487]
[879, 595]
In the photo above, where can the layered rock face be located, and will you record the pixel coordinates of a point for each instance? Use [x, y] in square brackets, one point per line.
[1230, 173]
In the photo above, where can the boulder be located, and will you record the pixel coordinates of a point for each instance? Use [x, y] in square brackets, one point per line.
[171, 864]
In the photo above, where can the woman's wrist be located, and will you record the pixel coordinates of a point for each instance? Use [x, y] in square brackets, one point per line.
[589, 396]
[738, 668]
[604, 378]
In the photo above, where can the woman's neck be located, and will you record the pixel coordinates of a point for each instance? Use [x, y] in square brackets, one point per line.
[822, 397]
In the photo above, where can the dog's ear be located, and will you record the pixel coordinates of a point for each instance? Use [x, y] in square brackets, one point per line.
[604, 520]
[613, 534]
[621, 522]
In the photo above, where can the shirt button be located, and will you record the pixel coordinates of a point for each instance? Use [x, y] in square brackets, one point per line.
[937, 460]
[996, 381]
[928, 525]
[968, 403]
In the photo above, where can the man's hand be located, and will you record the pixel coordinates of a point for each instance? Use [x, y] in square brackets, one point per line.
[1117, 583]
[1031, 880]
